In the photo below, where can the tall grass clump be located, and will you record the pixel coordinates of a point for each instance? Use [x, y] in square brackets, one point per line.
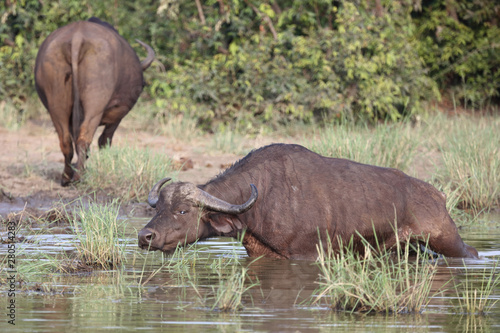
[471, 156]
[474, 294]
[98, 232]
[387, 145]
[227, 295]
[376, 282]
[126, 172]
[232, 285]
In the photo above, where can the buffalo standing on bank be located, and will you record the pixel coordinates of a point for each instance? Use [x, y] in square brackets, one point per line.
[302, 194]
[87, 75]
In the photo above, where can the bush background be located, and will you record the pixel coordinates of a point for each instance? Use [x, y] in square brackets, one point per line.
[251, 64]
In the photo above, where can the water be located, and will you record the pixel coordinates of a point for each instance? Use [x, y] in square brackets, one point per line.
[111, 301]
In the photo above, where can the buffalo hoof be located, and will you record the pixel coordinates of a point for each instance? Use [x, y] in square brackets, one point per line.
[65, 180]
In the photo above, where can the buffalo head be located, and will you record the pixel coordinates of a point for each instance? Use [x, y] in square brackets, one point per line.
[181, 210]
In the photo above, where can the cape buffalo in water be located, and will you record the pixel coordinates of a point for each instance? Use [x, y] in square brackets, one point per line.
[302, 194]
[87, 75]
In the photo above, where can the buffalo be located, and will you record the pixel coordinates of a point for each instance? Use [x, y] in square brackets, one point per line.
[87, 75]
[283, 198]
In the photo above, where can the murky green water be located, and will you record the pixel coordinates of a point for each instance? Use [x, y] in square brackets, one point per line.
[112, 301]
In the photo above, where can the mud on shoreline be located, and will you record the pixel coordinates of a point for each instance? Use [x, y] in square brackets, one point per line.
[31, 165]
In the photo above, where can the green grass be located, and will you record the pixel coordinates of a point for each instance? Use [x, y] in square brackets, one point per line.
[387, 145]
[377, 282]
[126, 172]
[232, 285]
[181, 264]
[228, 140]
[227, 295]
[474, 294]
[471, 161]
[98, 231]
[224, 288]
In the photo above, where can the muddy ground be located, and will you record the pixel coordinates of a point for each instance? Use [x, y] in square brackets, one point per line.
[31, 164]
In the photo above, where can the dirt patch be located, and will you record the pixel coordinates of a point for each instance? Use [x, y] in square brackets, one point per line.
[31, 164]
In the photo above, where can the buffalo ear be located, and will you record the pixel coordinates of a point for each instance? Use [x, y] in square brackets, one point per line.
[225, 223]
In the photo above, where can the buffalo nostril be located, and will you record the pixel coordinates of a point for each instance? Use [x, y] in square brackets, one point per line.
[149, 237]
[146, 236]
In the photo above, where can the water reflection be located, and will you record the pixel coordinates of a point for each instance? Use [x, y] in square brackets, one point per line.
[171, 301]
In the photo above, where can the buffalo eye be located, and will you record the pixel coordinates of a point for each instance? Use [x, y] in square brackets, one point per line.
[182, 209]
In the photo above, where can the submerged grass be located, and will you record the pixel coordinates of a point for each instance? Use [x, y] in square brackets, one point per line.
[474, 294]
[225, 287]
[377, 282]
[234, 282]
[180, 264]
[227, 295]
[126, 172]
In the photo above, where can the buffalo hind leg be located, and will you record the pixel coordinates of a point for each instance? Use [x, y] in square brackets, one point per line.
[87, 131]
[107, 135]
[60, 119]
[67, 150]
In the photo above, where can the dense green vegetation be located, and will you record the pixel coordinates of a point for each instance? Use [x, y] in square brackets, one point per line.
[261, 63]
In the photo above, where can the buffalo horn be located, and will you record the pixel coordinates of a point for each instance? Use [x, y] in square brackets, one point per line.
[216, 204]
[149, 58]
[155, 191]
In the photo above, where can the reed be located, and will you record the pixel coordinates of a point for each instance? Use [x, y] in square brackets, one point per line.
[180, 264]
